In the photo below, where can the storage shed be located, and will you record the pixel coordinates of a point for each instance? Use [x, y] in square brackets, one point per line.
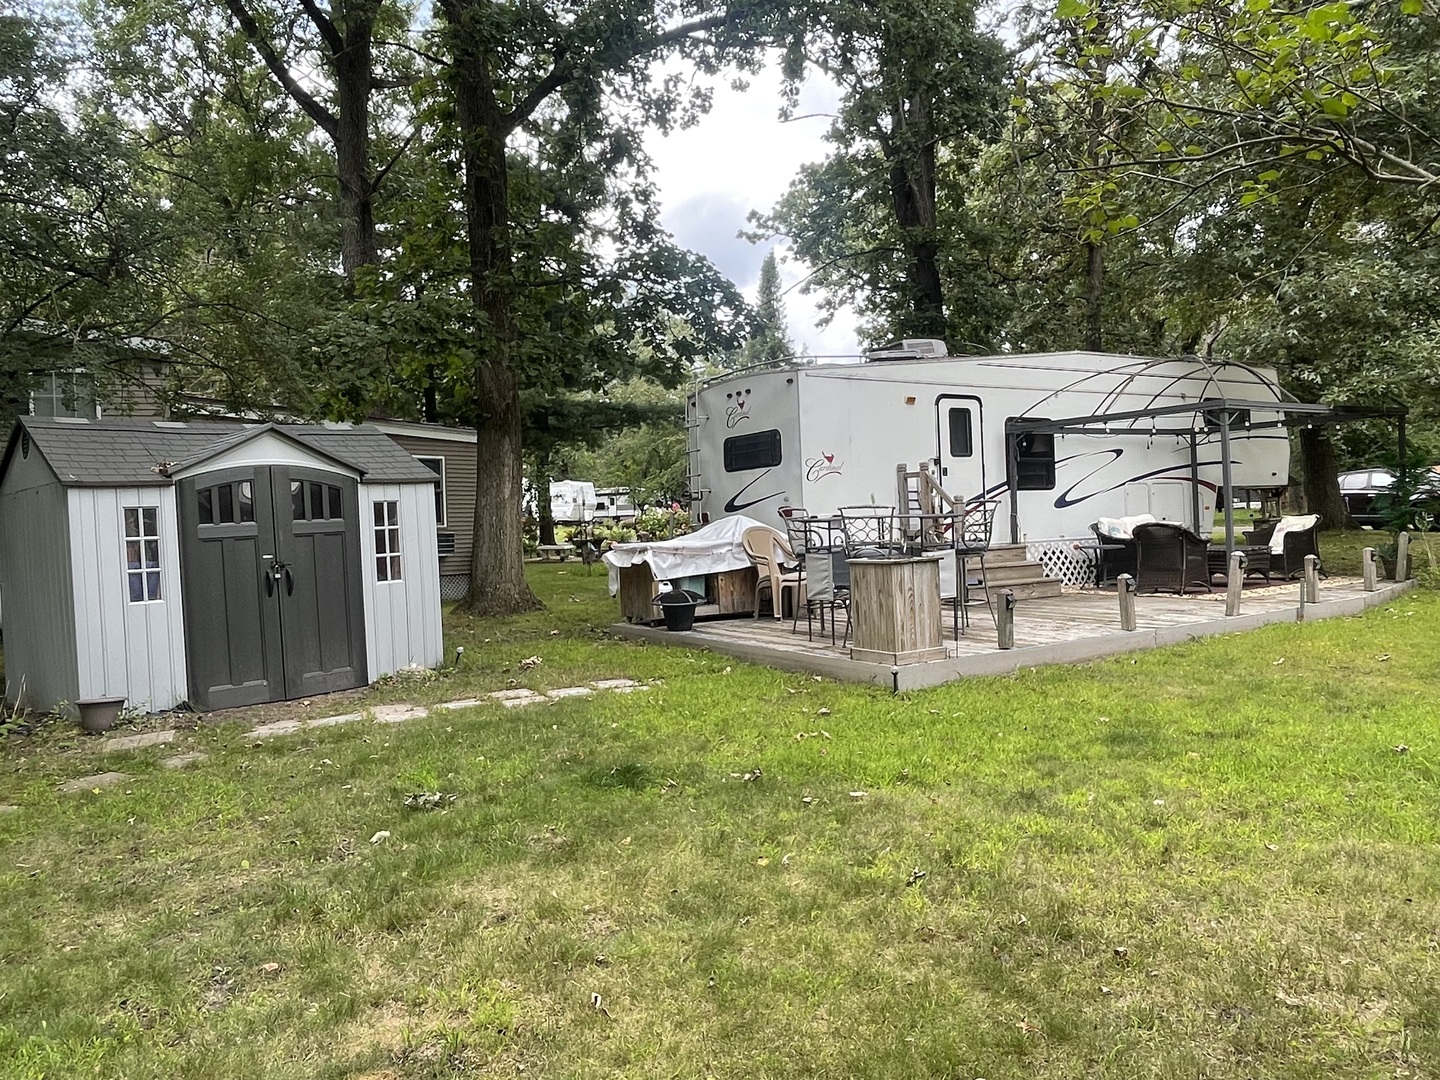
[164, 562]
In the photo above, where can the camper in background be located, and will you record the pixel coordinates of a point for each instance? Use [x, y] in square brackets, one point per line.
[572, 502]
[614, 504]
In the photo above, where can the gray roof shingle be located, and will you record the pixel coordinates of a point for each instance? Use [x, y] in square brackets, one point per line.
[134, 453]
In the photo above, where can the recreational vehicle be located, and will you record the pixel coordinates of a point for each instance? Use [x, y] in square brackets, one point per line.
[572, 501]
[614, 504]
[1060, 439]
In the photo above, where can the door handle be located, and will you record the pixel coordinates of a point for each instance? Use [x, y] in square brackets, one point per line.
[289, 582]
[269, 583]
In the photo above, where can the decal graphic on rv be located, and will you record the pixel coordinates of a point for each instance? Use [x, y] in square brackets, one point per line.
[824, 465]
[735, 413]
[734, 506]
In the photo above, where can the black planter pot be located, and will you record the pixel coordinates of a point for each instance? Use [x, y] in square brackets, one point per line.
[678, 607]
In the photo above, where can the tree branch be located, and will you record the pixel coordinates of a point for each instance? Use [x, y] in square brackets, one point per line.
[253, 34]
[328, 33]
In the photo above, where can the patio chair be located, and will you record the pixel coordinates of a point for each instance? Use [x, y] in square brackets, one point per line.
[972, 541]
[868, 529]
[770, 554]
[1295, 544]
[1169, 556]
[1117, 555]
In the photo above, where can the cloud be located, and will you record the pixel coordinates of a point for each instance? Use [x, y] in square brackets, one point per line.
[709, 223]
[741, 157]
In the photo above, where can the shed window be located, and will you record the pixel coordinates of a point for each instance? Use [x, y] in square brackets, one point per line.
[324, 502]
[226, 504]
[1035, 460]
[757, 450]
[437, 466]
[962, 443]
[387, 540]
[142, 553]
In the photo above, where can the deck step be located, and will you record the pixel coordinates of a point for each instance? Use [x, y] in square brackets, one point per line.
[1007, 573]
[1005, 554]
[1029, 590]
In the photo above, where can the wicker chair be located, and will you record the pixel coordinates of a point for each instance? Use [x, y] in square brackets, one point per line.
[1169, 556]
[1116, 556]
[1290, 562]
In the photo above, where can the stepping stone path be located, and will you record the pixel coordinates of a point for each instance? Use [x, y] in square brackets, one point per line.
[513, 698]
[9, 809]
[90, 783]
[137, 742]
[182, 761]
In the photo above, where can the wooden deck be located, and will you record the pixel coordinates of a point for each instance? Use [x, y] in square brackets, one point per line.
[1078, 625]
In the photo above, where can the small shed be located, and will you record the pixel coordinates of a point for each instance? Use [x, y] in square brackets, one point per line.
[164, 562]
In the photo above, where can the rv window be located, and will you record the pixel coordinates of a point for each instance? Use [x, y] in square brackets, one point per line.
[758, 450]
[961, 444]
[1035, 460]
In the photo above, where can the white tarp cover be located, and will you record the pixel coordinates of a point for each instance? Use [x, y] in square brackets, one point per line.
[711, 550]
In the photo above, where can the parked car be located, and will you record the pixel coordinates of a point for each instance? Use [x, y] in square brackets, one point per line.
[1368, 498]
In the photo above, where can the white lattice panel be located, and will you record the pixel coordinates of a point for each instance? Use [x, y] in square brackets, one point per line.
[1070, 561]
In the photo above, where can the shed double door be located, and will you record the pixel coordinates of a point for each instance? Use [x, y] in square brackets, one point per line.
[270, 559]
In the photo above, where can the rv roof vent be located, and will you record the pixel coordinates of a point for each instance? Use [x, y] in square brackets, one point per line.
[909, 349]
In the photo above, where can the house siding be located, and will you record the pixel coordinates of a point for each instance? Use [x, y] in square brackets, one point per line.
[35, 588]
[135, 651]
[402, 618]
[460, 487]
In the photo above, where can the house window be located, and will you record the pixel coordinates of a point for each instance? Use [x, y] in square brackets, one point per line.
[437, 466]
[64, 393]
[142, 553]
[758, 450]
[387, 540]
[962, 443]
[1034, 460]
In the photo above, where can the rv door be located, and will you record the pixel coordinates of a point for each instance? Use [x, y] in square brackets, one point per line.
[960, 452]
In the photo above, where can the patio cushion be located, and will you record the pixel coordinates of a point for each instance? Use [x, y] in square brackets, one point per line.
[1297, 524]
[1121, 528]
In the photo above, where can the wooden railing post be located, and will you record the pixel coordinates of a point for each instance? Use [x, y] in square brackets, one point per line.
[1367, 569]
[1005, 619]
[1312, 577]
[1402, 557]
[1234, 583]
[1125, 589]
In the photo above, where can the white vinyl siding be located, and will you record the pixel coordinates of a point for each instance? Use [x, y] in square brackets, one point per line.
[135, 651]
[402, 617]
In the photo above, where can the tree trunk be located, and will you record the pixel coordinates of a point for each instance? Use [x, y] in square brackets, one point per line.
[912, 193]
[544, 509]
[1322, 489]
[1094, 296]
[497, 563]
[352, 149]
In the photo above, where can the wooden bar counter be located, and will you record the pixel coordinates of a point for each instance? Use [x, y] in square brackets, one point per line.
[895, 610]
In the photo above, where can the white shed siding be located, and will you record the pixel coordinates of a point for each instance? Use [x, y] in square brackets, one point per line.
[402, 618]
[135, 651]
[35, 584]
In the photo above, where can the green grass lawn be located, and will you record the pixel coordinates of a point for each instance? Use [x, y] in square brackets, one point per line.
[1208, 861]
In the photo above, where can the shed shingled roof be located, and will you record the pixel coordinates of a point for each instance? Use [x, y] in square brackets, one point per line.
[135, 453]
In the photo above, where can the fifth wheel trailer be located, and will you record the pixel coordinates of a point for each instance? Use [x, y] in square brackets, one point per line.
[822, 436]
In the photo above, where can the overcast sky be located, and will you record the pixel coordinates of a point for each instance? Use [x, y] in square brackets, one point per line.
[739, 158]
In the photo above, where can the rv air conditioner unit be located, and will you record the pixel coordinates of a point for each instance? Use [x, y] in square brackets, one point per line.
[909, 349]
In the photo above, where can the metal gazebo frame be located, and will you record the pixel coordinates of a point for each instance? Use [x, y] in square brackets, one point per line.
[1208, 415]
